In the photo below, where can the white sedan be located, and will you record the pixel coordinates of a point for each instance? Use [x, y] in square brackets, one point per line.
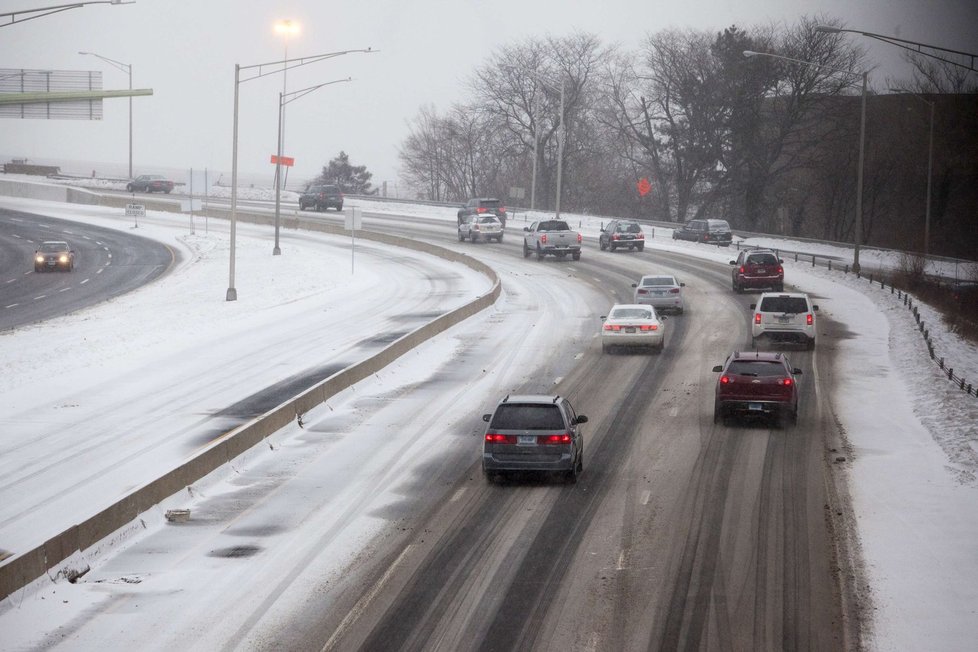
[662, 291]
[632, 324]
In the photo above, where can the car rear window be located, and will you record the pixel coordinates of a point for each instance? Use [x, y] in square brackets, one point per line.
[489, 203]
[784, 304]
[718, 225]
[488, 220]
[762, 259]
[759, 368]
[525, 416]
[554, 225]
[650, 281]
[630, 313]
[629, 228]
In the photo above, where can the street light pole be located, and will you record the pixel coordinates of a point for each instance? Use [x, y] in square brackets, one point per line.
[281, 108]
[858, 238]
[285, 28]
[536, 144]
[560, 149]
[126, 68]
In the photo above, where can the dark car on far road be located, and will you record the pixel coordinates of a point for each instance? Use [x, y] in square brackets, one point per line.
[621, 234]
[715, 232]
[54, 255]
[321, 197]
[483, 206]
[150, 183]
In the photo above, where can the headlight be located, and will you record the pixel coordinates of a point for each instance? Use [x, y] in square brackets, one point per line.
[39, 259]
[63, 258]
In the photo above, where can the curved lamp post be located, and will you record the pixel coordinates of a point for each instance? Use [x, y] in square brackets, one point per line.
[126, 68]
[912, 46]
[282, 101]
[862, 143]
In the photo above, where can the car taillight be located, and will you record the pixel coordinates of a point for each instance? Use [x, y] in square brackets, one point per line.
[616, 237]
[810, 319]
[561, 438]
[640, 236]
[649, 327]
[496, 438]
[612, 327]
[480, 210]
[725, 380]
[757, 318]
[674, 291]
[543, 239]
[502, 209]
[780, 271]
[787, 382]
[579, 238]
[742, 270]
[642, 291]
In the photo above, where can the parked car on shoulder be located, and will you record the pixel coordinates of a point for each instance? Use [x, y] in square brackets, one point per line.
[757, 269]
[480, 227]
[533, 432]
[784, 317]
[482, 206]
[632, 325]
[756, 384]
[54, 255]
[150, 183]
[621, 234]
[715, 232]
[551, 238]
[664, 292]
[321, 197]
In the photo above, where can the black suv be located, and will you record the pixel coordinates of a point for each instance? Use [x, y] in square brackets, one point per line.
[321, 198]
[483, 206]
[715, 232]
[622, 233]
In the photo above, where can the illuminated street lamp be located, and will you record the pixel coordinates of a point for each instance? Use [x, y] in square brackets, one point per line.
[862, 143]
[257, 71]
[126, 68]
[282, 101]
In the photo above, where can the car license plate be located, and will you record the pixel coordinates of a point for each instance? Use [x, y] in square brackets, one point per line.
[659, 293]
[754, 407]
[784, 319]
[526, 440]
[630, 329]
[762, 270]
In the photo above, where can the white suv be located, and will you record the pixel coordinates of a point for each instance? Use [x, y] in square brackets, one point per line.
[784, 317]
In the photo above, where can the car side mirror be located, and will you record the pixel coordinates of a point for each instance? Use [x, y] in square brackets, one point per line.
[796, 371]
[526, 228]
[781, 260]
[603, 317]
[753, 306]
[486, 417]
[580, 419]
[682, 285]
[733, 262]
[815, 307]
[634, 285]
[718, 368]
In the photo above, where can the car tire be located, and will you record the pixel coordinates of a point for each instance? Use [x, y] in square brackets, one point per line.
[753, 343]
[526, 250]
[167, 191]
[540, 253]
[717, 415]
[499, 239]
[612, 246]
[810, 344]
[461, 237]
[779, 287]
[640, 247]
[576, 255]
[38, 270]
[601, 245]
[570, 477]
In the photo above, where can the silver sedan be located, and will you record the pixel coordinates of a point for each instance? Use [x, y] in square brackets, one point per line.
[662, 291]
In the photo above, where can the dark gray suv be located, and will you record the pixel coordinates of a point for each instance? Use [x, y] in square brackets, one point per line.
[533, 432]
[483, 206]
[715, 232]
[321, 198]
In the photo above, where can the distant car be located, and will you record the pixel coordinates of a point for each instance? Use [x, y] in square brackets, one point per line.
[632, 325]
[621, 234]
[150, 183]
[533, 432]
[482, 206]
[715, 232]
[54, 255]
[661, 291]
[754, 385]
[321, 197]
[551, 238]
[784, 317]
[480, 227]
[757, 269]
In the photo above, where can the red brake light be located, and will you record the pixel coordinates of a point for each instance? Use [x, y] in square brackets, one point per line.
[543, 239]
[649, 327]
[502, 209]
[757, 318]
[561, 438]
[780, 270]
[674, 291]
[496, 438]
[612, 327]
[480, 209]
[641, 291]
[616, 237]
[579, 238]
[742, 270]
[810, 319]
[725, 380]
[787, 382]
[640, 236]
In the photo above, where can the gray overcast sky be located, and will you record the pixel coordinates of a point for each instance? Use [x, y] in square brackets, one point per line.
[185, 50]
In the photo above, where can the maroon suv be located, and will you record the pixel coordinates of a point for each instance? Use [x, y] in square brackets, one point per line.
[757, 269]
[756, 384]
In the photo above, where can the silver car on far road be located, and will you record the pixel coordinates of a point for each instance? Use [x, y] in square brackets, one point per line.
[662, 291]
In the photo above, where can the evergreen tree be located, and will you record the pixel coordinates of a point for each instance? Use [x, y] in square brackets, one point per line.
[352, 179]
